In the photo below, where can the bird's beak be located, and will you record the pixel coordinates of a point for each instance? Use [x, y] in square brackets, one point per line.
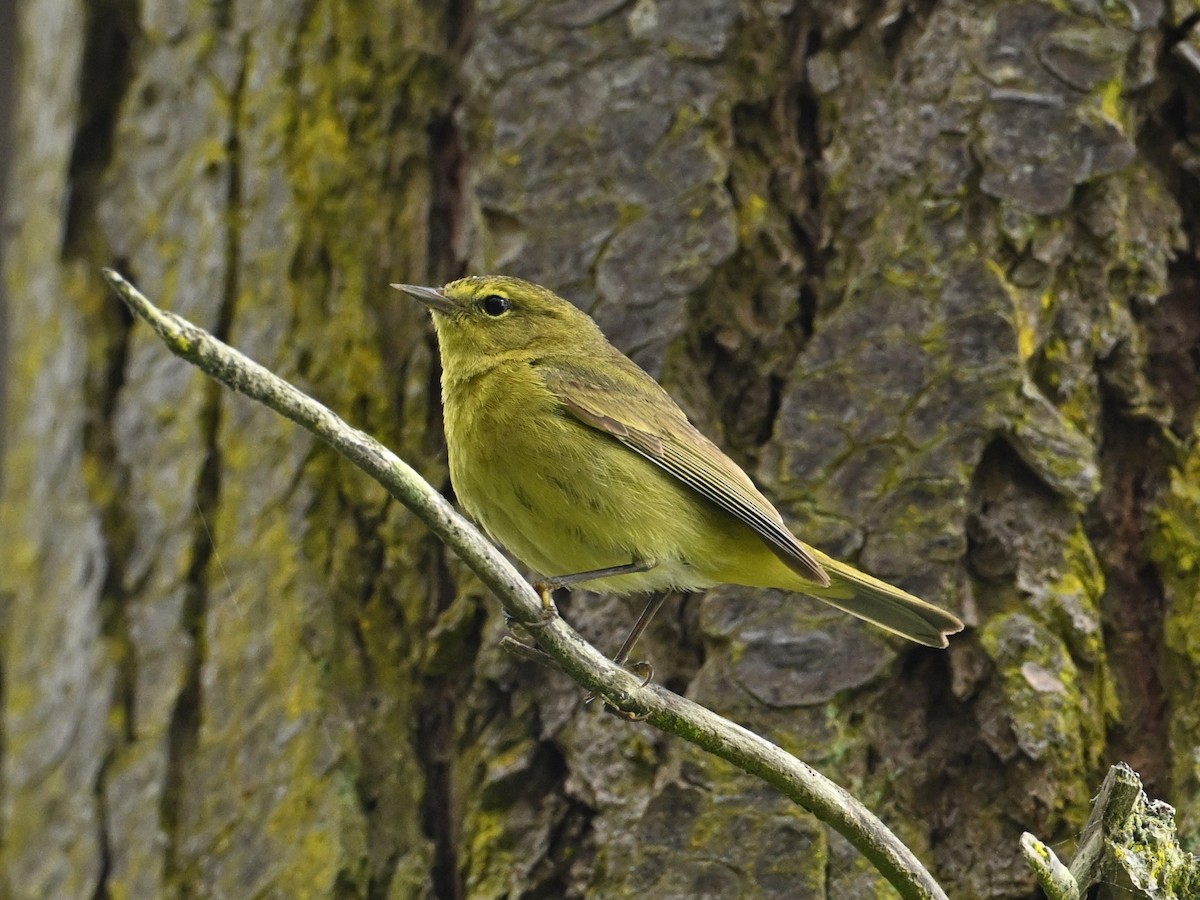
[431, 297]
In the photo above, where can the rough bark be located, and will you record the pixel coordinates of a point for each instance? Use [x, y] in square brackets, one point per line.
[928, 270]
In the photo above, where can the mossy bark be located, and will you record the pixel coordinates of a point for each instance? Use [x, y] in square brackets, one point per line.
[927, 270]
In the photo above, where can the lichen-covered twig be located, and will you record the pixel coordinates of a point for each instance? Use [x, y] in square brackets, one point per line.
[1129, 846]
[583, 662]
[1055, 879]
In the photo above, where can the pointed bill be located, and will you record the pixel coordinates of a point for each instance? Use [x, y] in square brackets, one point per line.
[431, 297]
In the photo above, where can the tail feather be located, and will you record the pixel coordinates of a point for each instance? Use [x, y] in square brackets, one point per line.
[884, 605]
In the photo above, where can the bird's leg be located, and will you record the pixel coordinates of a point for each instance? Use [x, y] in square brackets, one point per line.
[639, 626]
[631, 568]
[547, 587]
[642, 668]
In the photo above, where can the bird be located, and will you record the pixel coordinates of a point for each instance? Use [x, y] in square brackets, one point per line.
[575, 460]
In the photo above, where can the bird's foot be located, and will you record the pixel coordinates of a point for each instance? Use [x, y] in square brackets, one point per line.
[549, 610]
[641, 667]
[627, 716]
[644, 668]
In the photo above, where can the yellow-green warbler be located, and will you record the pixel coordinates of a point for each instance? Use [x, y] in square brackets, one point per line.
[575, 460]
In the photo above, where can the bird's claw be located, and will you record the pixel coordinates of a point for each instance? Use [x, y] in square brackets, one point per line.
[644, 668]
[549, 610]
[511, 622]
[627, 716]
[641, 667]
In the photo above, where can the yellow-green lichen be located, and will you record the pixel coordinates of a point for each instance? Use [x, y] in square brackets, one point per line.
[1044, 704]
[1174, 545]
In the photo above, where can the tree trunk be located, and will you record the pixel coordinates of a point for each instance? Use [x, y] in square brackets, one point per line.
[928, 271]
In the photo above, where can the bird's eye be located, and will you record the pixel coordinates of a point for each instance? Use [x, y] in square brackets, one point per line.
[495, 305]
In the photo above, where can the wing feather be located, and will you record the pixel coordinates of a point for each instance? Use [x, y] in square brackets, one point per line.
[679, 449]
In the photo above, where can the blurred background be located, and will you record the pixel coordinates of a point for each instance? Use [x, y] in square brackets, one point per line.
[928, 270]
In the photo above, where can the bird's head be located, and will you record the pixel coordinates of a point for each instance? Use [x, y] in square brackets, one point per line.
[482, 316]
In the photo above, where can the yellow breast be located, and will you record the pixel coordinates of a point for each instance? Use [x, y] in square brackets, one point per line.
[564, 498]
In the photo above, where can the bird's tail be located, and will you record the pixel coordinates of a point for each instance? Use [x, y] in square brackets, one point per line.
[882, 604]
